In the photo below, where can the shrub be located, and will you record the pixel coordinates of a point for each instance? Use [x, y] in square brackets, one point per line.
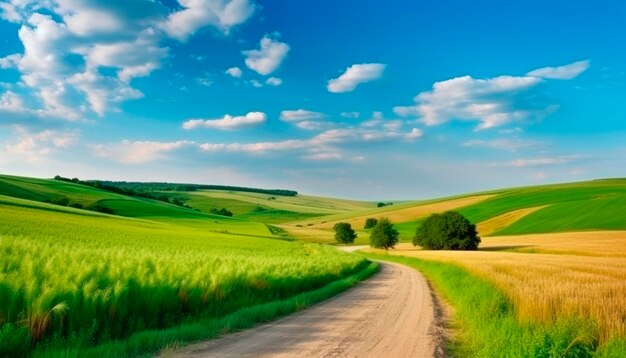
[76, 205]
[222, 211]
[63, 201]
[447, 231]
[370, 223]
[384, 235]
[344, 234]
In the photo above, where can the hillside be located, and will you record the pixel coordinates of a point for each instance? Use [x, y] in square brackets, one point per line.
[581, 206]
[73, 279]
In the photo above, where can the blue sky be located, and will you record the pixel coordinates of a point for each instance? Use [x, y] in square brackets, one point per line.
[358, 99]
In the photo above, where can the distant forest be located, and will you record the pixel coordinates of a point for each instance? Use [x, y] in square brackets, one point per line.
[144, 189]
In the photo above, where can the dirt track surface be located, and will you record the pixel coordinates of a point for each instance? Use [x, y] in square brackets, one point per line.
[389, 315]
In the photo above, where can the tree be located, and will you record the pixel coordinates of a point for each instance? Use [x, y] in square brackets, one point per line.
[370, 223]
[344, 234]
[447, 231]
[384, 235]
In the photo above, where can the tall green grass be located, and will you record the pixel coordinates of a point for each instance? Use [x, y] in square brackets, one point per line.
[148, 342]
[85, 278]
[488, 327]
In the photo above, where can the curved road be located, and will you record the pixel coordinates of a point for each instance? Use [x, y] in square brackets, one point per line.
[388, 315]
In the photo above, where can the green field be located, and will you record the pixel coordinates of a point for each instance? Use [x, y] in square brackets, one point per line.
[77, 278]
[583, 206]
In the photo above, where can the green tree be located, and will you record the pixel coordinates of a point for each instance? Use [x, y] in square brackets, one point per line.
[370, 223]
[344, 234]
[447, 231]
[384, 235]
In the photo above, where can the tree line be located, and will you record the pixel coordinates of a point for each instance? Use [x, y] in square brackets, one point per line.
[447, 231]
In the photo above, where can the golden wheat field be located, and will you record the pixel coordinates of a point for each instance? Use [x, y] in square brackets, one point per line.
[555, 275]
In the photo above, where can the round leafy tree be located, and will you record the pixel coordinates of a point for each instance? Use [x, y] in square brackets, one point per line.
[370, 223]
[344, 234]
[447, 231]
[383, 235]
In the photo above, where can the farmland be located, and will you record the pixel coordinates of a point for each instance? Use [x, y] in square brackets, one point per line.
[75, 278]
[85, 282]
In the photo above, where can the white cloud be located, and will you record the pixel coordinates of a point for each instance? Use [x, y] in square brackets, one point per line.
[11, 102]
[101, 91]
[33, 147]
[268, 57]
[80, 57]
[10, 61]
[234, 72]
[490, 101]
[305, 119]
[135, 152]
[355, 75]
[299, 115]
[493, 101]
[196, 14]
[227, 122]
[274, 81]
[566, 72]
[326, 142]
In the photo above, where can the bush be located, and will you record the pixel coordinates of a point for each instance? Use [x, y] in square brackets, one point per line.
[447, 231]
[222, 211]
[76, 205]
[384, 235]
[370, 223]
[344, 234]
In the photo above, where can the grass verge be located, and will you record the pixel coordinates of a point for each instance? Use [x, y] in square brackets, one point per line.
[148, 343]
[488, 326]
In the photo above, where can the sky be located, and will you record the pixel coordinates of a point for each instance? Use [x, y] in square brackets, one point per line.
[356, 99]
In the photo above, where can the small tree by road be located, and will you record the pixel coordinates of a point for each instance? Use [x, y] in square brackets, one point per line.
[344, 234]
[447, 231]
[384, 235]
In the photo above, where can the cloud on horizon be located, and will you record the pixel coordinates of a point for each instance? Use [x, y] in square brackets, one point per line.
[227, 122]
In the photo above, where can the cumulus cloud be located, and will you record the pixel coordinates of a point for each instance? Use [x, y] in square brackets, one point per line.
[234, 72]
[32, 147]
[197, 14]
[135, 152]
[227, 122]
[355, 75]
[566, 72]
[11, 102]
[80, 57]
[268, 57]
[274, 81]
[493, 101]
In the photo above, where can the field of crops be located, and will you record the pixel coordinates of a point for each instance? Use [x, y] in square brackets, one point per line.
[551, 276]
[74, 276]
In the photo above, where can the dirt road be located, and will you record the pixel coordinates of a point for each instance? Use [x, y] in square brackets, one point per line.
[389, 315]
